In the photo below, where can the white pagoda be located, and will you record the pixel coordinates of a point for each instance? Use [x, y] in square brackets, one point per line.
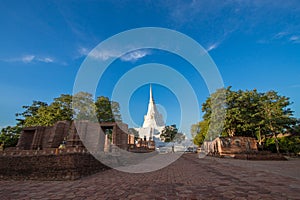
[153, 122]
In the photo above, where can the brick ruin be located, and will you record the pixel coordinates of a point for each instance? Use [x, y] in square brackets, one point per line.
[143, 146]
[231, 145]
[58, 153]
[65, 132]
[238, 147]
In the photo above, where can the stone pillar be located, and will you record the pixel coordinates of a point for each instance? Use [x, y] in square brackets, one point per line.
[106, 144]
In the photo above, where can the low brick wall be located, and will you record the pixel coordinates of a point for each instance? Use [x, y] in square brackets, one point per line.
[260, 156]
[68, 166]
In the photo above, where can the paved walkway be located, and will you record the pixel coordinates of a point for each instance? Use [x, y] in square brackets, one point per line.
[187, 178]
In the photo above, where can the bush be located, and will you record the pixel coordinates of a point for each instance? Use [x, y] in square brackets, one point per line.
[286, 144]
[9, 136]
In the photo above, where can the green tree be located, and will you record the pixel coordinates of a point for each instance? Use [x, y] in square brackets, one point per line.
[84, 107]
[115, 107]
[287, 144]
[30, 111]
[276, 115]
[9, 136]
[67, 107]
[248, 113]
[199, 132]
[296, 128]
[63, 106]
[107, 111]
[168, 133]
[59, 110]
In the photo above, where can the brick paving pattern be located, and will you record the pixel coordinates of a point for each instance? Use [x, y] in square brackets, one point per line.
[187, 178]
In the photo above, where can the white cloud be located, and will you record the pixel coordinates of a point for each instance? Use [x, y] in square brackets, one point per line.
[83, 51]
[295, 38]
[135, 55]
[213, 46]
[46, 59]
[280, 35]
[34, 58]
[106, 54]
[251, 17]
[27, 58]
[30, 59]
[283, 37]
[101, 55]
[216, 44]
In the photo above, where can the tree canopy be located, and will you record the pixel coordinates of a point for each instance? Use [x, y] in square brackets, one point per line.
[65, 107]
[107, 110]
[199, 131]
[46, 115]
[171, 134]
[248, 113]
[9, 136]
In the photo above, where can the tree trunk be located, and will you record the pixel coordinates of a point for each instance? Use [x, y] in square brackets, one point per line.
[259, 136]
[276, 143]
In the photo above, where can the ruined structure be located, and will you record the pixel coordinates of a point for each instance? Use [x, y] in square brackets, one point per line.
[44, 137]
[65, 132]
[238, 147]
[145, 144]
[59, 152]
[230, 146]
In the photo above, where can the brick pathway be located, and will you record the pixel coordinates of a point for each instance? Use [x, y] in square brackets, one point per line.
[187, 178]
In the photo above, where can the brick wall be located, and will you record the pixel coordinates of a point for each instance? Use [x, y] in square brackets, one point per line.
[68, 166]
[38, 157]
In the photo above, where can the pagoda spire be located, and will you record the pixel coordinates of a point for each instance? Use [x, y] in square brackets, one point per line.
[153, 119]
[151, 96]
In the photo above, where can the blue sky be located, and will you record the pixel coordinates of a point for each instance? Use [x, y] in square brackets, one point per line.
[255, 44]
